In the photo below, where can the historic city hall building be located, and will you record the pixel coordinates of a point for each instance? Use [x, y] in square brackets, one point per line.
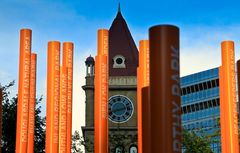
[200, 95]
[123, 62]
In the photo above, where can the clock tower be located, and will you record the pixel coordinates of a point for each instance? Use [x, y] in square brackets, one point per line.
[123, 62]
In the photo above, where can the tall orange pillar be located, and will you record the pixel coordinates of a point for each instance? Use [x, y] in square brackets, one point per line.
[101, 94]
[146, 121]
[63, 110]
[165, 89]
[32, 98]
[53, 97]
[228, 98]
[223, 121]
[68, 63]
[23, 90]
[143, 81]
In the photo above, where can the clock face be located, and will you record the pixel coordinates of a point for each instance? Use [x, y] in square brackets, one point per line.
[120, 108]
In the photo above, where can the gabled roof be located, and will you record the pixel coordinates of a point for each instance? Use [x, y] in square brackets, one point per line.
[122, 43]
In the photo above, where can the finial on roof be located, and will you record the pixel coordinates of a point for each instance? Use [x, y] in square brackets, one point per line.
[119, 7]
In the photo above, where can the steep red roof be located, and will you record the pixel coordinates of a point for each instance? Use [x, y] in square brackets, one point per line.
[122, 43]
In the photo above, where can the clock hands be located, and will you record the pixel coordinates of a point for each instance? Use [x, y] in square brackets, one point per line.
[118, 109]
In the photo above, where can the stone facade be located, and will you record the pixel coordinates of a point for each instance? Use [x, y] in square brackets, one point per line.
[124, 134]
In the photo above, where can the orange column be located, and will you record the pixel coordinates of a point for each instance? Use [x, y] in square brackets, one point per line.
[53, 97]
[143, 81]
[101, 94]
[146, 121]
[222, 117]
[63, 111]
[229, 97]
[23, 90]
[32, 98]
[165, 89]
[68, 62]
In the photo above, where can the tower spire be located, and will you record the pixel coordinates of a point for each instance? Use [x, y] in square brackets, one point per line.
[119, 14]
[119, 7]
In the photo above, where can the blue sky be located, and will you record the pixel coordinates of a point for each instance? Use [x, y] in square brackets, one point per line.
[203, 25]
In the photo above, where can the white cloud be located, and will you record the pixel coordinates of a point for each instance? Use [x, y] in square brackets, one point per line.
[201, 47]
[194, 60]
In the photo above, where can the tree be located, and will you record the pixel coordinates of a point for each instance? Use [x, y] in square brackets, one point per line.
[40, 129]
[196, 142]
[9, 123]
[77, 142]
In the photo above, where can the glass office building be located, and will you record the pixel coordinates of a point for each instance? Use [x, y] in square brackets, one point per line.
[201, 104]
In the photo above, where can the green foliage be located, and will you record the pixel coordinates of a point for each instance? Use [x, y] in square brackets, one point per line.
[9, 123]
[196, 143]
[39, 132]
[8, 120]
[77, 142]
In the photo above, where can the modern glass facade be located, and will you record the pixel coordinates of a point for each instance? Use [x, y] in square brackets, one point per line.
[201, 104]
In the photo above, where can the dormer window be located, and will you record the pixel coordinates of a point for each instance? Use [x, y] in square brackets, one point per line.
[119, 62]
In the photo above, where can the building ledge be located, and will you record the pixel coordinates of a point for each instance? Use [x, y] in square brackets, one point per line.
[130, 128]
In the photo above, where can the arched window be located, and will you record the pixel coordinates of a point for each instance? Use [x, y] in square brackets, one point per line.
[119, 62]
[119, 149]
[133, 149]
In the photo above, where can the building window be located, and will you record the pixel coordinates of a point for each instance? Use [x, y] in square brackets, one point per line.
[200, 86]
[119, 62]
[119, 149]
[201, 106]
[133, 149]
